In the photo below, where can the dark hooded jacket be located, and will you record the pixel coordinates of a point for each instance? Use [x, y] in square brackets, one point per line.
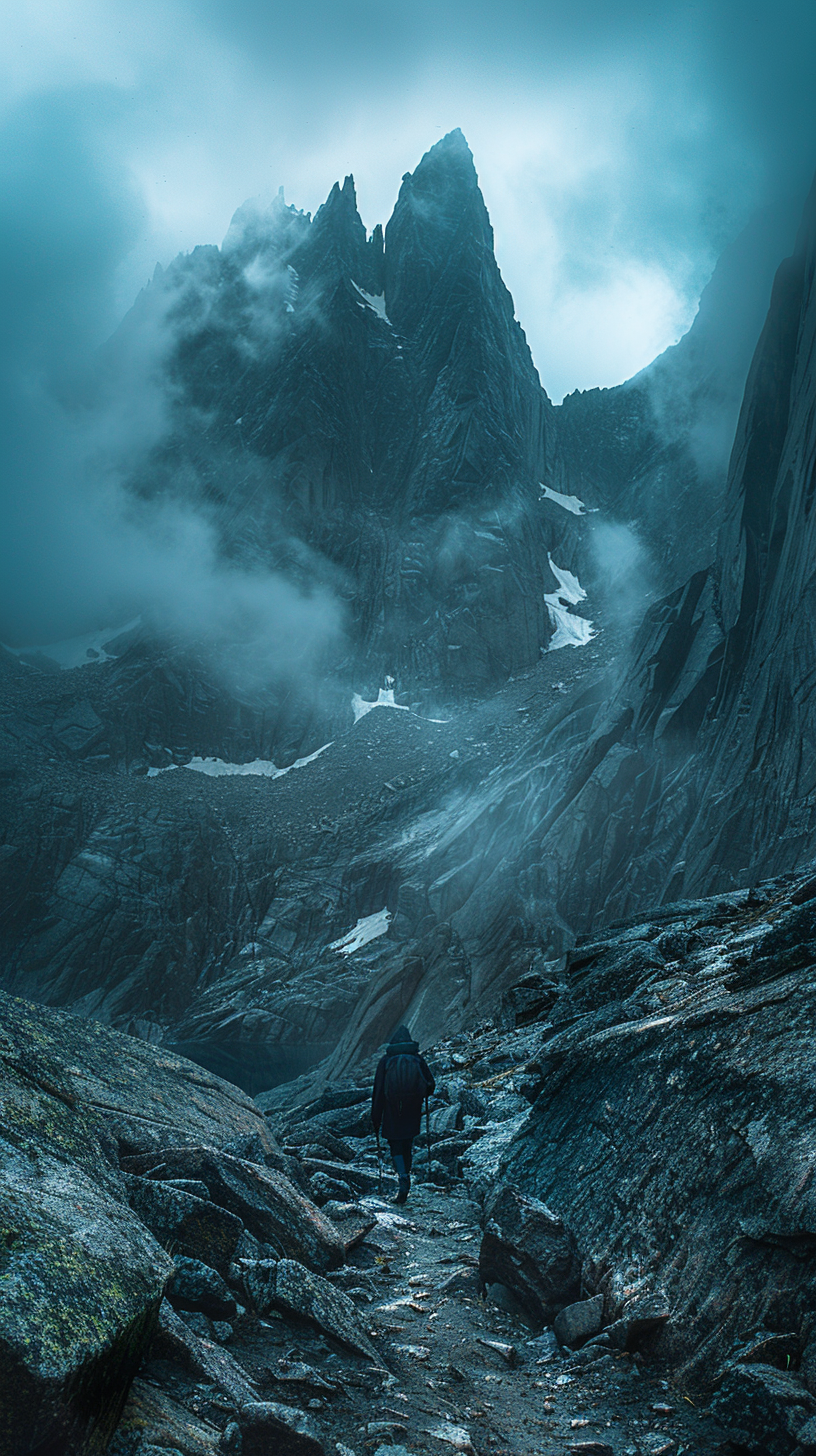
[405, 1122]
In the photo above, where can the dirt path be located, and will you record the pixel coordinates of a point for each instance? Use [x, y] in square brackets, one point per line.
[470, 1376]
[461, 1373]
[457, 1369]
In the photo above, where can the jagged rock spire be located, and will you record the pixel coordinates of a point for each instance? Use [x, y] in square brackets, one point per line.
[439, 224]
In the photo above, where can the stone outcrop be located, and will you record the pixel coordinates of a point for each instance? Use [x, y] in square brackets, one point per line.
[528, 1249]
[267, 1425]
[303, 1293]
[83, 1266]
[176, 1342]
[81, 1276]
[766, 1411]
[666, 1126]
[265, 1201]
[195, 1227]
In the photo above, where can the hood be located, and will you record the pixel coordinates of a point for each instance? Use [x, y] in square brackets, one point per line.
[402, 1041]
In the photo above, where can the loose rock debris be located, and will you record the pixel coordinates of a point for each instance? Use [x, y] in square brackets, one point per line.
[425, 1363]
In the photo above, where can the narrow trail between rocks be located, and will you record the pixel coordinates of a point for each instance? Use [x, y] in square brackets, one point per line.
[467, 1375]
[405, 1343]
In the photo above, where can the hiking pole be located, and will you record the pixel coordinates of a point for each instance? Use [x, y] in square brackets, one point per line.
[428, 1134]
[379, 1160]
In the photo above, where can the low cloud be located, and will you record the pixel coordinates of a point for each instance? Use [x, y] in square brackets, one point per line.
[101, 519]
[624, 572]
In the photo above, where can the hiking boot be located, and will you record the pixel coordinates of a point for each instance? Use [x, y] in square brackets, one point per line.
[404, 1188]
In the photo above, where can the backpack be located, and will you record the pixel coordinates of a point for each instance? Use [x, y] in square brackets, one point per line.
[404, 1080]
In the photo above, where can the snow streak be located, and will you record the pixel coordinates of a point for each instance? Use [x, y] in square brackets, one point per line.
[366, 929]
[220, 768]
[570, 630]
[569, 502]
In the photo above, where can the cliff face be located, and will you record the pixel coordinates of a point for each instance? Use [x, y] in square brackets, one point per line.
[366, 412]
[694, 773]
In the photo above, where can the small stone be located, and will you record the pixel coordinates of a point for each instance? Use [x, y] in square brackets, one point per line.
[304, 1293]
[199, 1323]
[508, 1353]
[175, 1341]
[807, 1435]
[640, 1317]
[464, 1282]
[297, 1372]
[528, 1249]
[455, 1436]
[579, 1321]
[257, 1278]
[763, 1409]
[267, 1426]
[590, 1448]
[195, 1286]
[230, 1443]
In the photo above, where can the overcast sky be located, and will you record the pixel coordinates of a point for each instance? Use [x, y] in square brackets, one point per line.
[618, 146]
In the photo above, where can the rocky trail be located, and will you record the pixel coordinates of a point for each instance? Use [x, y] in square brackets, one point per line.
[455, 1371]
[451, 1364]
[610, 1252]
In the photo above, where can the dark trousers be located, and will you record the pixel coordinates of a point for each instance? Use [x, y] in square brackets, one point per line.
[401, 1153]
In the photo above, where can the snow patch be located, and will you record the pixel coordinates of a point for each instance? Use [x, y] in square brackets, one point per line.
[570, 630]
[385, 1214]
[259, 767]
[385, 699]
[366, 929]
[78, 651]
[375, 301]
[292, 290]
[569, 502]
[569, 587]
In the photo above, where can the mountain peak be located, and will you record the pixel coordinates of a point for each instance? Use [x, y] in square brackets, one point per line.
[452, 142]
[341, 198]
[450, 160]
[439, 217]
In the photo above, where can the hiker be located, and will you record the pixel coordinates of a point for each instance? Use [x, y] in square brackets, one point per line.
[401, 1084]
